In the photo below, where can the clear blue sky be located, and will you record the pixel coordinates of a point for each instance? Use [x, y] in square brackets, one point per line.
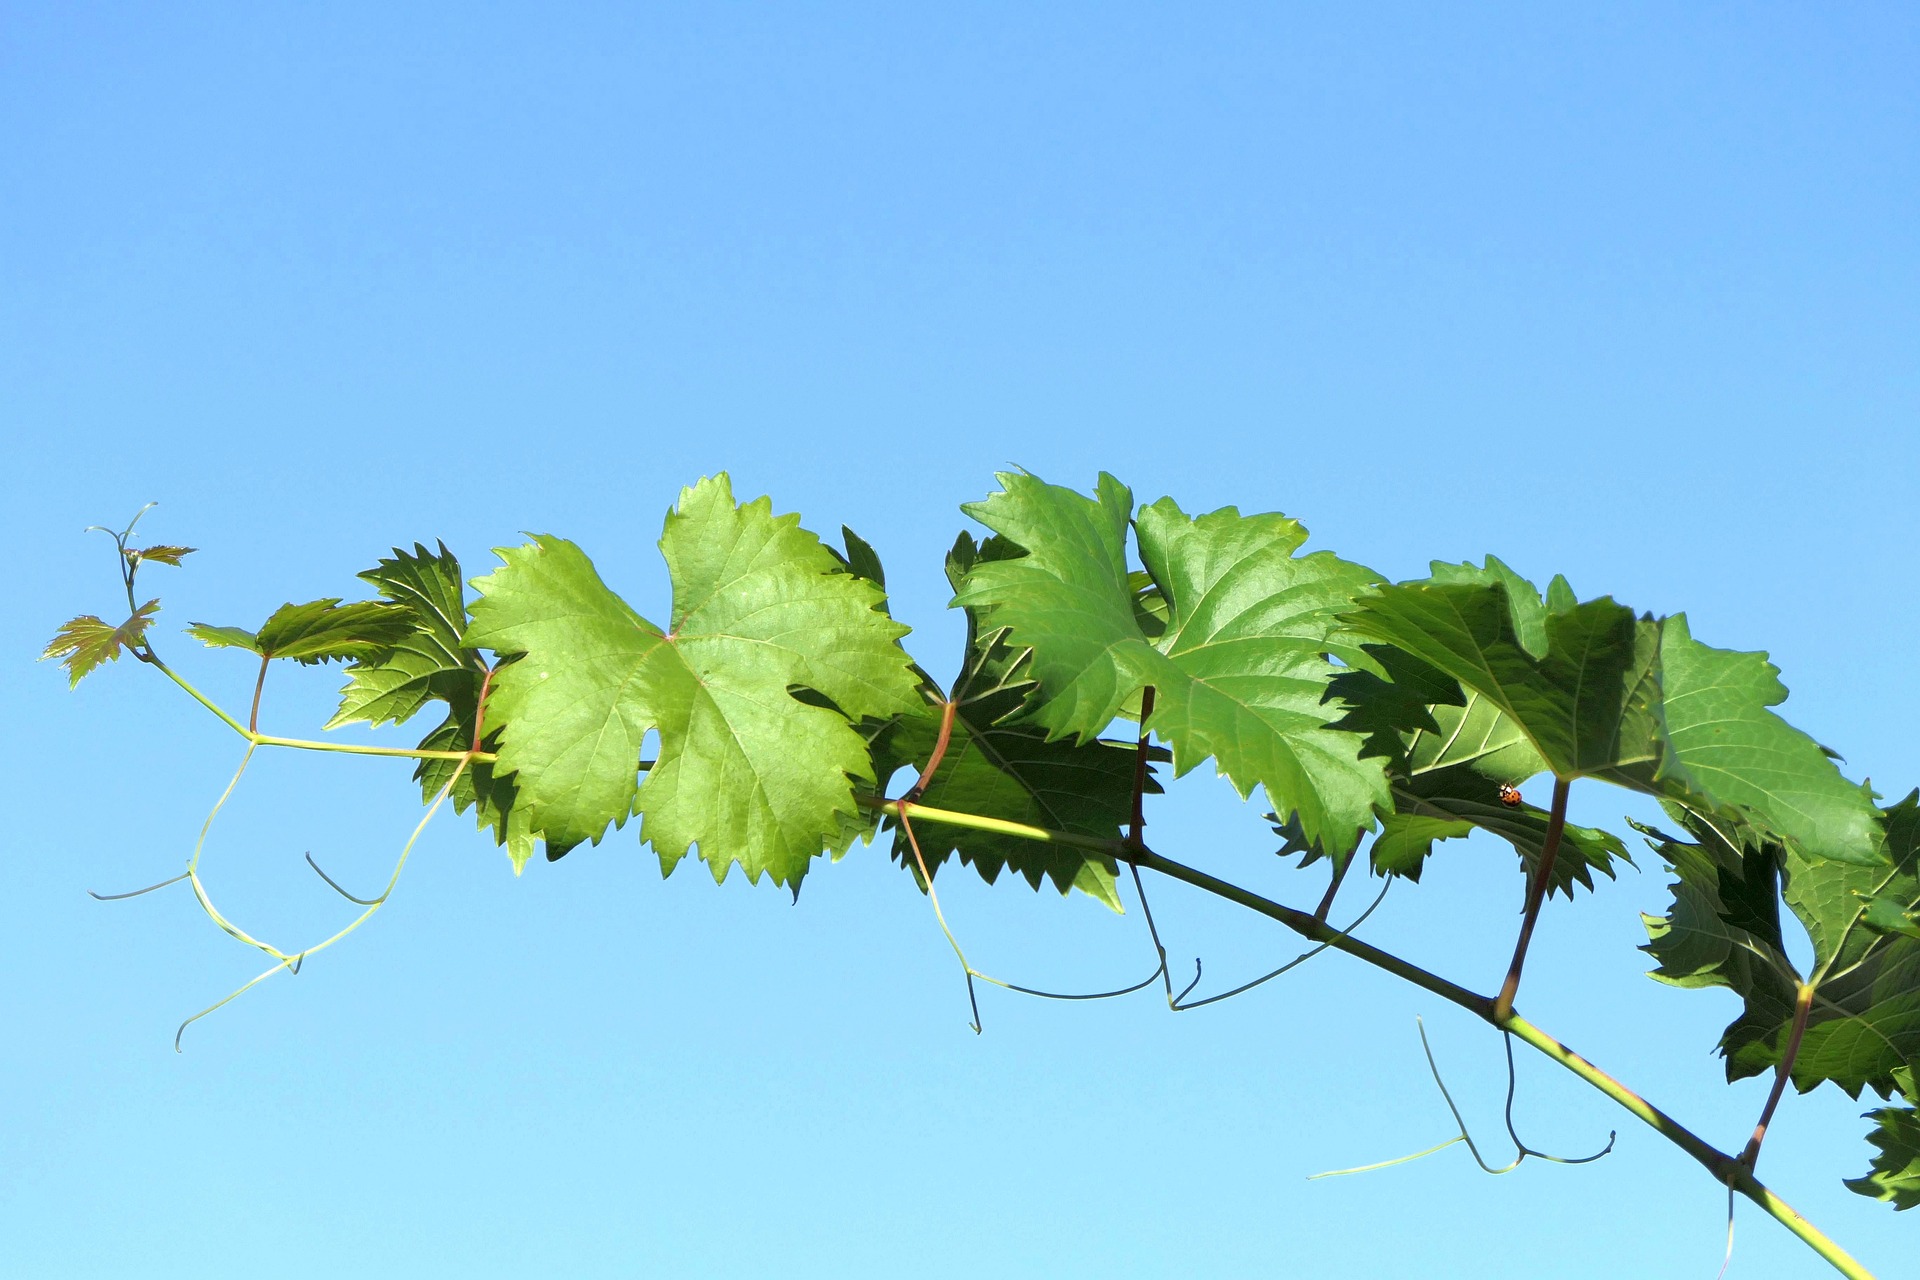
[1630, 292]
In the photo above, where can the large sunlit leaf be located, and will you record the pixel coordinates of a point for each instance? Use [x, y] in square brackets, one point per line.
[1238, 667]
[746, 771]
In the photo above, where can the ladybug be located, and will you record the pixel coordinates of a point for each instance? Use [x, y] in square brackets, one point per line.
[1509, 795]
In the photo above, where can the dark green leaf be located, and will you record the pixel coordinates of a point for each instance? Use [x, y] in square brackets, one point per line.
[1406, 839]
[1585, 704]
[1448, 750]
[424, 662]
[998, 766]
[85, 642]
[746, 771]
[328, 631]
[317, 631]
[1528, 611]
[1240, 670]
[1723, 930]
[429, 664]
[1864, 1023]
[1461, 794]
[1895, 1175]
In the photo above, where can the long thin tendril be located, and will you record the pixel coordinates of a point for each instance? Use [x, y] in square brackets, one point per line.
[1298, 960]
[293, 962]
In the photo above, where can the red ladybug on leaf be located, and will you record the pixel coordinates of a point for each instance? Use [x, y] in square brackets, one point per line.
[1509, 795]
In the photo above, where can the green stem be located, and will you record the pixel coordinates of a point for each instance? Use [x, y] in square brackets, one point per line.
[305, 744]
[199, 697]
[351, 749]
[1726, 1169]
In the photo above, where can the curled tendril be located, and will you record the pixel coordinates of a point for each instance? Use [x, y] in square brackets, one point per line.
[122, 897]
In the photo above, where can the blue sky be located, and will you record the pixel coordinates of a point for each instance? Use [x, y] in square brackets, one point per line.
[1624, 292]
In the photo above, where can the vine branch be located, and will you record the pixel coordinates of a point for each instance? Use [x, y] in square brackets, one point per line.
[1726, 1169]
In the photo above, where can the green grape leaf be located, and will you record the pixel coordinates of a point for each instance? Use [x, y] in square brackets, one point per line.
[159, 555]
[1447, 751]
[1723, 930]
[746, 771]
[1528, 610]
[1886, 916]
[1726, 747]
[1895, 1174]
[430, 664]
[1461, 794]
[427, 661]
[1406, 840]
[315, 632]
[1864, 1022]
[998, 766]
[85, 642]
[1240, 669]
[1585, 704]
[224, 637]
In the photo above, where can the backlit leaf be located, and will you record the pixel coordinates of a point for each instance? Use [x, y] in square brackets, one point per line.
[317, 631]
[85, 642]
[1240, 669]
[159, 555]
[746, 771]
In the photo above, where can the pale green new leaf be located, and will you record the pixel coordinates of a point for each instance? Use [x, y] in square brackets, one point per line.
[165, 554]
[1239, 670]
[85, 642]
[224, 637]
[746, 771]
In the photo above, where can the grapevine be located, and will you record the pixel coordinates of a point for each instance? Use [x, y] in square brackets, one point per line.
[1376, 719]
